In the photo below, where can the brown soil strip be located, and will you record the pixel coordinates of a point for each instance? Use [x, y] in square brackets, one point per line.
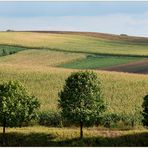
[134, 67]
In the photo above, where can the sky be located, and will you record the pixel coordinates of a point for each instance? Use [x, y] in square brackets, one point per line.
[107, 17]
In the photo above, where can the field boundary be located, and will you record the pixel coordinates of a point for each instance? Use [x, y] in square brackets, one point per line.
[62, 50]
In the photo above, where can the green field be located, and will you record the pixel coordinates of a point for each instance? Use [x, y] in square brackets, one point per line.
[48, 59]
[10, 49]
[96, 62]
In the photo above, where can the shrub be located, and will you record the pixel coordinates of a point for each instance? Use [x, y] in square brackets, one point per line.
[50, 118]
[145, 111]
[12, 52]
[110, 120]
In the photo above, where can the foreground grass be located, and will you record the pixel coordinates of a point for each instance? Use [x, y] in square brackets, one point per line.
[44, 136]
[74, 43]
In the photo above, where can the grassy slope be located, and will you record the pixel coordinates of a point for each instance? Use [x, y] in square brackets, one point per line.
[43, 136]
[74, 43]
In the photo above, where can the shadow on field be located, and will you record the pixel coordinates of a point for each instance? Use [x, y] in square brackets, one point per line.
[32, 139]
[128, 140]
[42, 139]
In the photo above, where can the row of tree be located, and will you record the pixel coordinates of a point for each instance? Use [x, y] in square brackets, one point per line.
[81, 101]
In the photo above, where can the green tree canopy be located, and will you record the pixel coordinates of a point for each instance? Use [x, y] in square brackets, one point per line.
[145, 110]
[81, 99]
[16, 105]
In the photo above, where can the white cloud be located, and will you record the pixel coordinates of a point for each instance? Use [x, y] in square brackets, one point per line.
[113, 23]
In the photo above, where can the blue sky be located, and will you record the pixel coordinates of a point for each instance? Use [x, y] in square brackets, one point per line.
[108, 17]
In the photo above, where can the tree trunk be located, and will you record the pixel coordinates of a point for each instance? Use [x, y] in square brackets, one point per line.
[4, 137]
[81, 130]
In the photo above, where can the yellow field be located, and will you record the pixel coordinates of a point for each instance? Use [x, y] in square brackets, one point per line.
[35, 57]
[73, 43]
[35, 68]
[123, 92]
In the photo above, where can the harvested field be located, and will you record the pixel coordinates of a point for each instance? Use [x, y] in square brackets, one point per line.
[134, 67]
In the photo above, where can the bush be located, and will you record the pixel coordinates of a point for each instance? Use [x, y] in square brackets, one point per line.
[110, 120]
[145, 111]
[113, 120]
[50, 118]
[12, 52]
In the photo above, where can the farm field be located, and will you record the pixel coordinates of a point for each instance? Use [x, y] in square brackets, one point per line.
[42, 62]
[96, 62]
[74, 43]
[49, 81]
[134, 67]
[44, 70]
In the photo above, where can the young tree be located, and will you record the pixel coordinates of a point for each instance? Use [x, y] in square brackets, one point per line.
[81, 99]
[145, 110]
[16, 106]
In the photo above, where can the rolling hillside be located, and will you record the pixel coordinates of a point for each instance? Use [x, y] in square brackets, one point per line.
[43, 60]
[93, 50]
[75, 43]
[44, 69]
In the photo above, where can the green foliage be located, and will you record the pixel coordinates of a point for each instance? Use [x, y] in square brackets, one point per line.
[4, 53]
[114, 120]
[145, 110]
[50, 118]
[81, 99]
[16, 106]
[110, 120]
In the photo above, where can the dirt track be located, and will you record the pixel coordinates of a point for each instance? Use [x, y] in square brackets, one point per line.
[134, 67]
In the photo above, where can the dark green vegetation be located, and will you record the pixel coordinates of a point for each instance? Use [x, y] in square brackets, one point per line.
[81, 99]
[98, 62]
[8, 50]
[145, 110]
[16, 106]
